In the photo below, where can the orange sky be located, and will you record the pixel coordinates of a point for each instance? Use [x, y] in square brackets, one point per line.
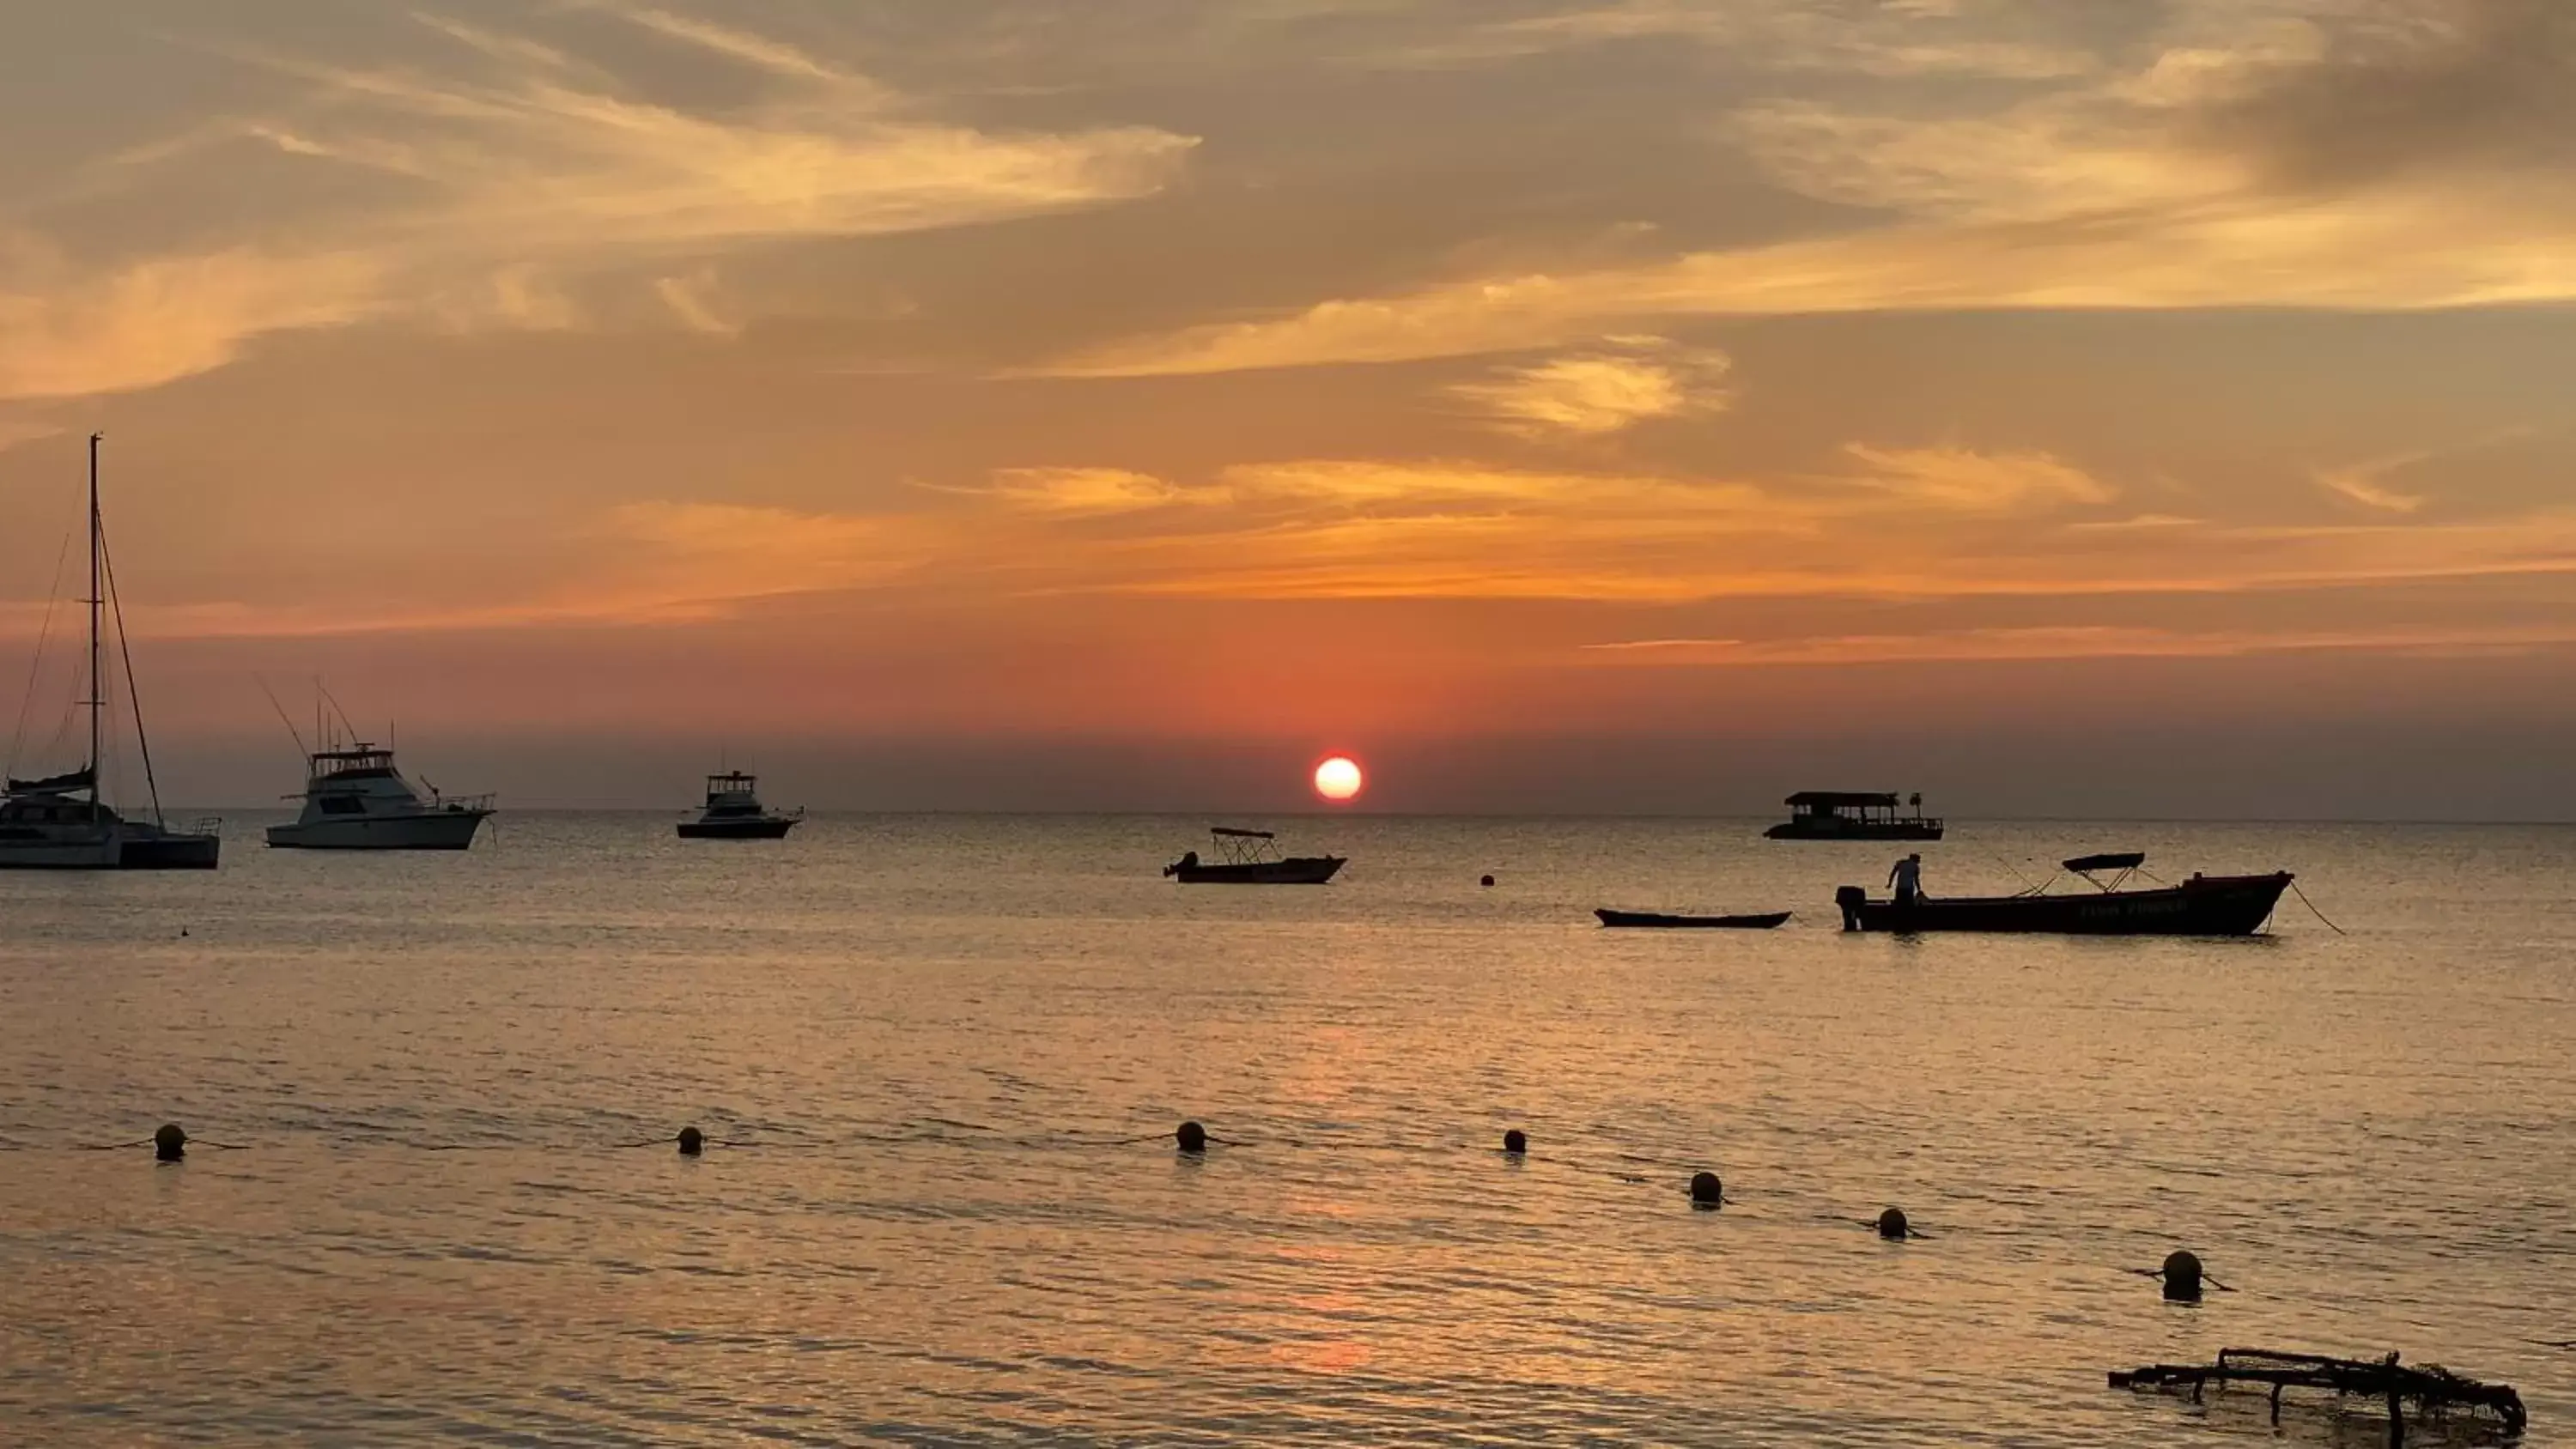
[1587, 404]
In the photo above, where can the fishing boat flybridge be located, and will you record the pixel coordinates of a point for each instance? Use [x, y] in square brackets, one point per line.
[734, 812]
[63, 822]
[1251, 857]
[2204, 905]
[354, 799]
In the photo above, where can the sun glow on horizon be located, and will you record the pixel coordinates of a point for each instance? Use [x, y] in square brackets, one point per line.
[1339, 779]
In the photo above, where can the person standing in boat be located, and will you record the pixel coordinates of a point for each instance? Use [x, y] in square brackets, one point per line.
[1907, 876]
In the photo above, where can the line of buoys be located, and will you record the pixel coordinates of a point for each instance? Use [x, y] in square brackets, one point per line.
[2182, 1273]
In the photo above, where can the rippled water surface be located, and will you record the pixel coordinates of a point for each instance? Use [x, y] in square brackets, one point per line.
[941, 1041]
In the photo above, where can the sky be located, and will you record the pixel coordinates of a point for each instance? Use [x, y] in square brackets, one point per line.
[2060, 407]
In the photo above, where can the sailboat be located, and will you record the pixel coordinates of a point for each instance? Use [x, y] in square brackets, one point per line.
[63, 822]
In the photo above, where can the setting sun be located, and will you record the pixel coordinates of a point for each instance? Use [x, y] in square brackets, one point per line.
[1338, 778]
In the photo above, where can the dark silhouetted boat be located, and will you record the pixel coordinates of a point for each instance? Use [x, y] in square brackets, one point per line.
[734, 812]
[1661, 921]
[1251, 857]
[64, 821]
[2204, 905]
[1847, 815]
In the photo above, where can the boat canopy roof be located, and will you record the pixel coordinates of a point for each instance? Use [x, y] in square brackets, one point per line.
[731, 780]
[1811, 798]
[2118, 860]
[1233, 834]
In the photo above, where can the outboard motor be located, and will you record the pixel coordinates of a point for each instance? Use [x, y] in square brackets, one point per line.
[1851, 899]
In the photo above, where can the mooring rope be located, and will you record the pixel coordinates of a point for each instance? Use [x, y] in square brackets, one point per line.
[2312, 909]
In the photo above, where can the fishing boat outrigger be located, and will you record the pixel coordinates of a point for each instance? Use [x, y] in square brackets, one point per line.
[2204, 905]
[1249, 857]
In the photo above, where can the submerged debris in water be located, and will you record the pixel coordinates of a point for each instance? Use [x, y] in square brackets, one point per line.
[2435, 1392]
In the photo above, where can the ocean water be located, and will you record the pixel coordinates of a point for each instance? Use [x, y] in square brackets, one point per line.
[952, 1051]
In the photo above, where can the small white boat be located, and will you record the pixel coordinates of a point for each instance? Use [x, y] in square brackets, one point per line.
[354, 799]
[734, 812]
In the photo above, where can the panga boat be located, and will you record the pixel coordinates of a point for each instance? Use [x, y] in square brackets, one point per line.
[734, 812]
[1846, 815]
[1250, 857]
[354, 799]
[1762, 922]
[63, 822]
[2204, 905]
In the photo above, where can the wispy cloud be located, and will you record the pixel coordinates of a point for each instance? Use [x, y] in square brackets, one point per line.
[2361, 483]
[1968, 481]
[522, 180]
[2079, 642]
[1629, 381]
[2209, 175]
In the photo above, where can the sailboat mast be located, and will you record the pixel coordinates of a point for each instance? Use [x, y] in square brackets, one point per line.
[97, 595]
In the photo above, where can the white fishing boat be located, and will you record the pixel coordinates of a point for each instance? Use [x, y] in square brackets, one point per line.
[734, 812]
[64, 822]
[354, 799]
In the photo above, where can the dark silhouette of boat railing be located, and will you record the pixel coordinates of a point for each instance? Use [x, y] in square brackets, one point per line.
[2125, 864]
[1243, 847]
[2435, 1391]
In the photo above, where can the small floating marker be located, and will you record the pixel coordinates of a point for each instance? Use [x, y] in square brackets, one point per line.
[1515, 1141]
[1191, 1137]
[169, 1144]
[1892, 1225]
[2182, 1277]
[1485, 881]
[692, 1142]
[1706, 1190]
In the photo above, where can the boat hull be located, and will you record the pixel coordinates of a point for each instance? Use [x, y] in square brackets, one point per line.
[1853, 830]
[1295, 870]
[429, 830]
[2202, 906]
[58, 854]
[1660, 921]
[172, 850]
[769, 828]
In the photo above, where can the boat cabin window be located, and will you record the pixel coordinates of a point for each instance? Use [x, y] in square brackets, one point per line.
[341, 804]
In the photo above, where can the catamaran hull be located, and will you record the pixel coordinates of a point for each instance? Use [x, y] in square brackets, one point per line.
[768, 829]
[2236, 905]
[172, 852]
[59, 854]
[1296, 870]
[434, 830]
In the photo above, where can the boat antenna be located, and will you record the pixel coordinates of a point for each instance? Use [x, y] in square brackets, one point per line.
[284, 719]
[35, 666]
[346, 722]
[133, 696]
